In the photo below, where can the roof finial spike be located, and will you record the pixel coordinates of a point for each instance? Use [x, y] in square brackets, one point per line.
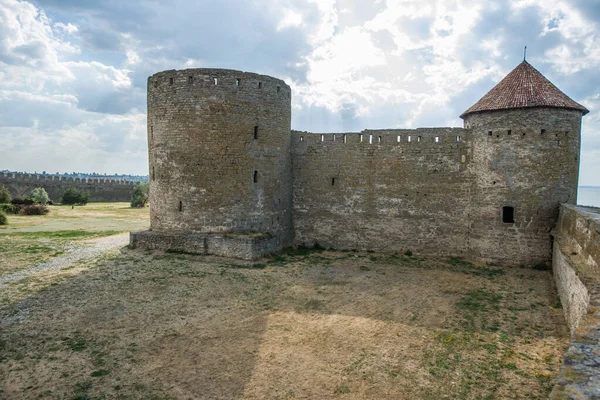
[525, 54]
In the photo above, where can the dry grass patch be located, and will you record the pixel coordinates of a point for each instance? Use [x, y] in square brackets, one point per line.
[32, 240]
[306, 324]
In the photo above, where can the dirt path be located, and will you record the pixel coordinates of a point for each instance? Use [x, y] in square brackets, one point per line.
[91, 249]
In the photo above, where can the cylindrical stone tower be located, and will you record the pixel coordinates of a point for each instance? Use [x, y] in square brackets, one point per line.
[526, 140]
[219, 152]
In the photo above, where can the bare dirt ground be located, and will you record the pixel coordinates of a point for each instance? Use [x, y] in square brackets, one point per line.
[304, 325]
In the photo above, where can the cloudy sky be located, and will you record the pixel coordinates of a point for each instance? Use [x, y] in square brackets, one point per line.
[73, 72]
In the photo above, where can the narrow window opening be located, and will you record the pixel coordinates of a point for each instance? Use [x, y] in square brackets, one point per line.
[370, 139]
[379, 139]
[566, 133]
[180, 206]
[344, 138]
[489, 133]
[255, 176]
[509, 132]
[256, 132]
[524, 134]
[322, 138]
[332, 181]
[215, 81]
[153, 174]
[458, 138]
[170, 81]
[361, 137]
[542, 131]
[278, 89]
[437, 139]
[418, 138]
[409, 139]
[237, 81]
[260, 85]
[190, 79]
[508, 214]
[151, 132]
[334, 138]
[302, 138]
[155, 83]
[398, 139]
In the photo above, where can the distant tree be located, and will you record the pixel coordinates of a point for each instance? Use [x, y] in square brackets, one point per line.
[3, 219]
[73, 196]
[39, 195]
[139, 196]
[5, 196]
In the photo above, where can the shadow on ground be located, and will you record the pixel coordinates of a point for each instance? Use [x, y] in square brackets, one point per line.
[306, 324]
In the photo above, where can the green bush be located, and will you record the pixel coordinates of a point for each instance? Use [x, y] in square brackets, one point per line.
[36, 209]
[26, 201]
[5, 196]
[139, 196]
[39, 195]
[9, 208]
[3, 219]
[74, 196]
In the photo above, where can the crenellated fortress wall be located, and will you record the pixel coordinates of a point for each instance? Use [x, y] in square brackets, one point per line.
[21, 185]
[223, 160]
[383, 190]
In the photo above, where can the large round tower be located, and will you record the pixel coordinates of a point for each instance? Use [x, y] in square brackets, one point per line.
[219, 151]
[526, 139]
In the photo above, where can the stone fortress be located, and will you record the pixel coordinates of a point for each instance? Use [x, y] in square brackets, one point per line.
[229, 177]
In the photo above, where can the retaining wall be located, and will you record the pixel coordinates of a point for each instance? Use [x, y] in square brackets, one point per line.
[576, 267]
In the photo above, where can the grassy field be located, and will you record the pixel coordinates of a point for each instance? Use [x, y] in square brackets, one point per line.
[303, 324]
[30, 240]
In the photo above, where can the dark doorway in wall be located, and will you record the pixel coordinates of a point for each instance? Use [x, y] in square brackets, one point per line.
[508, 214]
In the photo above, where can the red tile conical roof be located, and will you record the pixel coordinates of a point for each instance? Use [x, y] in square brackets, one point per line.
[524, 87]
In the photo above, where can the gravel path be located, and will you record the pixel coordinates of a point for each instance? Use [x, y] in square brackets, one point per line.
[91, 249]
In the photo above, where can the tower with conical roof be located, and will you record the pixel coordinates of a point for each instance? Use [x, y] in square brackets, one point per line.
[526, 139]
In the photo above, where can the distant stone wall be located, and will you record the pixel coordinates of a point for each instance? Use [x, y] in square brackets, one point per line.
[383, 190]
[102, 190]
[576, 267]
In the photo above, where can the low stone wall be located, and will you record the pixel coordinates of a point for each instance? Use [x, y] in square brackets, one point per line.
[576, 267]
[245, 247]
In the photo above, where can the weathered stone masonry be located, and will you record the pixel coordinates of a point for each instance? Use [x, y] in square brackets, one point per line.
[576, 268]
[223, 162]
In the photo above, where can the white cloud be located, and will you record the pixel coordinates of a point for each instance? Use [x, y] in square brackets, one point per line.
[290, 18]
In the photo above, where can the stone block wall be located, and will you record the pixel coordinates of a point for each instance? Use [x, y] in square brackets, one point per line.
[528, 160]
[383, 190]
[576, 268]
[102, 190]
[219, 151]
